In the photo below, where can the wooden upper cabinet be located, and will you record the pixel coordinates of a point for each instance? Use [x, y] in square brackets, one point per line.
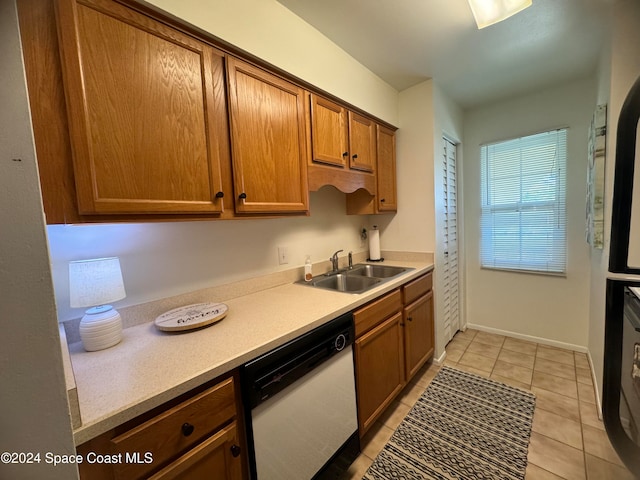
[330, 134]
[147, 113]
[385, 199]
[268, 140]
[341, 137]
[362, 143]
[343, 151]
[386, 175]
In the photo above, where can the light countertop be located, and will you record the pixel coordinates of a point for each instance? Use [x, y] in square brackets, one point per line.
[150, 367]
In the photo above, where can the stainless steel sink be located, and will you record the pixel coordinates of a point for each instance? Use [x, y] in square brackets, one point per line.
[345, 282]
[359, 279]
[377, 271]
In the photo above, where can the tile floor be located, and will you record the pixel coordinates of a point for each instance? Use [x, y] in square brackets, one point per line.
[568, 440]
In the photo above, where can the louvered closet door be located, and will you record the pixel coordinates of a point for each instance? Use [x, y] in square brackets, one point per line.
[451, 311]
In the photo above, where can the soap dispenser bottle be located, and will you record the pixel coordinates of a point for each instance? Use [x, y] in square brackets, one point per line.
[308, 276]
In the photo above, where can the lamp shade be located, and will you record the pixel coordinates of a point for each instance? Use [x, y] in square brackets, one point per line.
[95, 282]
[488, 12]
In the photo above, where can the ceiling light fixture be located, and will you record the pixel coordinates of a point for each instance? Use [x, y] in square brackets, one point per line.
[488, 12]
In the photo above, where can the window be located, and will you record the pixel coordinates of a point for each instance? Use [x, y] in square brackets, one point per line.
[523, 222]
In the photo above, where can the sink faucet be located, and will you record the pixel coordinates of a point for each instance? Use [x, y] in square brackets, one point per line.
[350, 260]
[334, 261]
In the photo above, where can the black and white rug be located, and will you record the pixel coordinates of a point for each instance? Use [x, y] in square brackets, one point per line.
[463, 426]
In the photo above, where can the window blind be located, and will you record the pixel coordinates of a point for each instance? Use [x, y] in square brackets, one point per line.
[523, 220]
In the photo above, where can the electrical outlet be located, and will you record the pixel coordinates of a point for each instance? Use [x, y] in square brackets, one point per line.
[283, 255]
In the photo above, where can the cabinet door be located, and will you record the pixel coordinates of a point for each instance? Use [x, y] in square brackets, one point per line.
[386, 174]
[379, 370]
[329, 139]
[418, 333]
[269, 141]
[362, 143]
[146, 109]
[218, 457]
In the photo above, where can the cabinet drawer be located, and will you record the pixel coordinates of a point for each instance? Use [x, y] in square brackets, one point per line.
[176, 430]
[214, 458]
[417, 288]
[374, 313]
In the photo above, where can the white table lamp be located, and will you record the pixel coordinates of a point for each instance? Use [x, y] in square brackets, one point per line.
[95, 283]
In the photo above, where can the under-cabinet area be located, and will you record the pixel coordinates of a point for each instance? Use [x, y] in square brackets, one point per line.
[179, 413]
[139, 116]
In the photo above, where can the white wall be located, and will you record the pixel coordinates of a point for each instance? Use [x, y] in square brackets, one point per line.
[426, 114]
[411, 229]
[160, 260]
[537, 306]
[619, 68]
[34, 413]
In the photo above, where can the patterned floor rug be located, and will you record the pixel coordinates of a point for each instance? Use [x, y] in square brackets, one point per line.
[463, 426]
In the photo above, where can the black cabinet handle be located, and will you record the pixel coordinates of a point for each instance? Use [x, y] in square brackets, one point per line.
[235, 450]
[382, 200]
[355, 156]
[410, 319]
[219, 194]
[187, 429]
[345, 154]
[242, 196]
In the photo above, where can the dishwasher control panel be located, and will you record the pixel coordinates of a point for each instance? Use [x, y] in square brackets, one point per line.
[275, 370]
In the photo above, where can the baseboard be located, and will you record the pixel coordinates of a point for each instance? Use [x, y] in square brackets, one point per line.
[440, 359]
[530, 338]
[595, 386]
[551, 343]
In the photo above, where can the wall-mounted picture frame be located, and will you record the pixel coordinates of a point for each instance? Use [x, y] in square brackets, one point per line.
[595, 178]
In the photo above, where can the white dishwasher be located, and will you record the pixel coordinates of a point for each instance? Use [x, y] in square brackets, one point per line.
[301, 401]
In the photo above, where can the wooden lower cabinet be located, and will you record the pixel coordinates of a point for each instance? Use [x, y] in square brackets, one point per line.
[198, 435]
[380, 370]
[216, 457]
[394, 339]
[418, 333]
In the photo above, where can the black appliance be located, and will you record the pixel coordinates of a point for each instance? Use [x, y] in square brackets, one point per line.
[621, 382]
[301, 406]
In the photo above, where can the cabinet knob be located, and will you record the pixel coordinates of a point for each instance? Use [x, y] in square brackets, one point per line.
[382, 200]
[345, 154]
[187, 429]
[354, 156]
[219, 194]
[235, 450]
[410, 319]
[242, 196]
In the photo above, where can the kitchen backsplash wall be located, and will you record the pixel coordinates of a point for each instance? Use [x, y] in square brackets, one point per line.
[165, 259]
